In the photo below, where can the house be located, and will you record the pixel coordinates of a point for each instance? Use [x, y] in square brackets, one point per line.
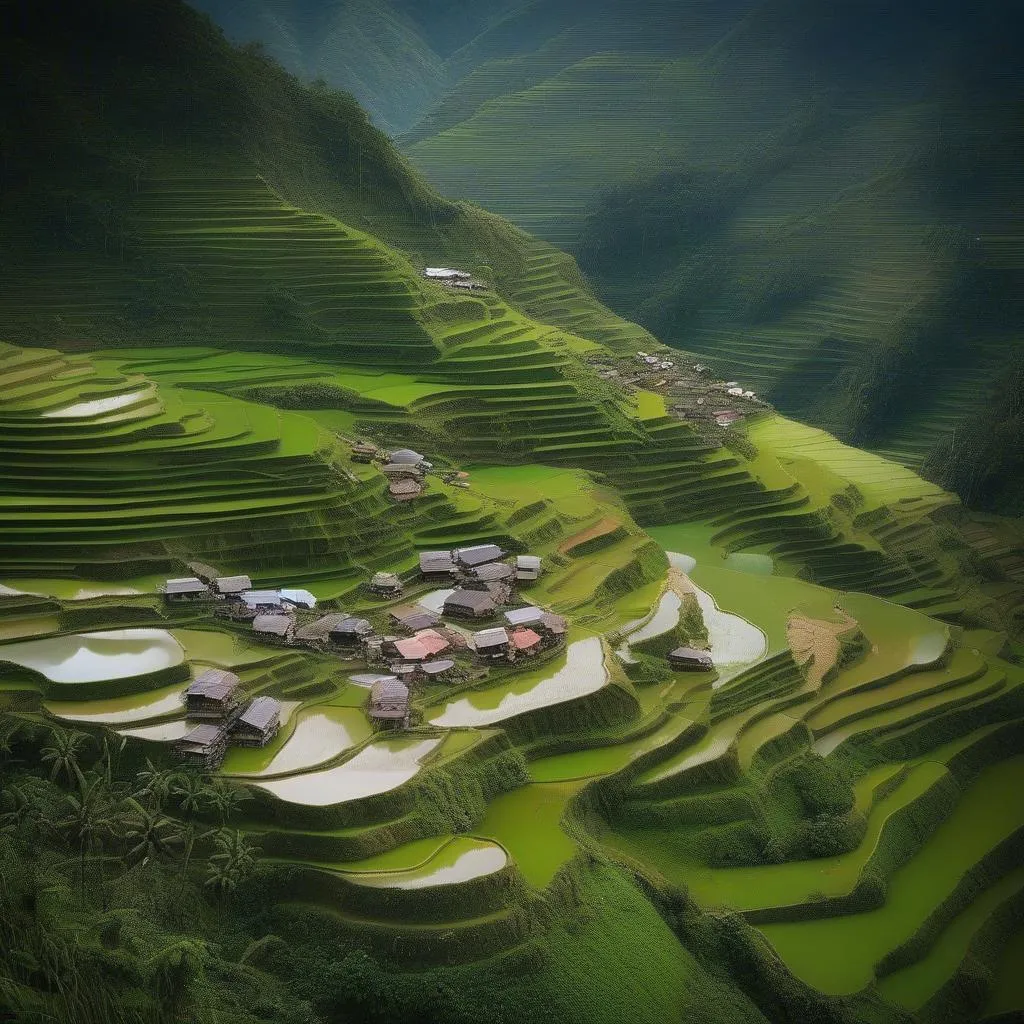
[527, 616]
[478, 554]
[437, 565]
[500, 591]
[469, 604]
[363, 451]
[525, 641]
[405, 490]
[413, 618]
[490, 572]
[446, 274]
[431, 670]
[232, 586]
[424, 644]
[204, 746]
[726, 417]
[527, 567]
[553, 625]
[319, 631]
[214, 694]
[492, 644]
[690, 659]
[389, 700]
[735, 392]
[301, 598]
[402, 471]
[407, 457]
[262, 600]
[350, 631]
[276, 627]
[186, 589]
[257, 725]
[386, 584]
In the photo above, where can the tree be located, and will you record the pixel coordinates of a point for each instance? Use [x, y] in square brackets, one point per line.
[64, 753]
[228, 798]
[149, 833]
[155, 783]
[234, 861]
[194, 794]
[89, 818]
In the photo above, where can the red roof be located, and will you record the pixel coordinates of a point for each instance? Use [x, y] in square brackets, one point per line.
[522, 639]
[432, 641]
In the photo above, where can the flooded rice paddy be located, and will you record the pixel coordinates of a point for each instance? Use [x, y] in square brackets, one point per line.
[378, 768]
[460, 860]
[93, 657]
[136, 707]
[320, 734]
[582, 672]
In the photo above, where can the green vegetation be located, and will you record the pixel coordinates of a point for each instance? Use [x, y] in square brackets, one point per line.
[205, 307]
[802, 195]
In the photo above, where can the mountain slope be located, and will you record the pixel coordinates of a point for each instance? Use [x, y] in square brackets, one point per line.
[823, 202]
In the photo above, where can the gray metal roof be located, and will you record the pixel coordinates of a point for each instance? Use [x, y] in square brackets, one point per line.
[492, 572]
[524, 616]
[477, 600]
[527, 562]
[277, 625]
[406, 456]
[185, 585]
[433, 668]
[496, 637]
[415, 618]
[216, 683]
[204, 735]
[691, 654]
[258, 597]
[319, 629]
[353, 625]
[389, 690]
[478, 554]
[261, 713]
[436, 561]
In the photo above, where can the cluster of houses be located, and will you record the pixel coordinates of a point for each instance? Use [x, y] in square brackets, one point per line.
[483, 581]
[459, 279]
[271, 613]
[213, 703]
[404, 468]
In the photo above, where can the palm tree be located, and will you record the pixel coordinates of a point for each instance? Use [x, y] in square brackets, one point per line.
[148, 833]
[23, 809]
[234, 860]
[195, 794]
[229, 798]
[155, 783]
[64, 753]
[88, 819]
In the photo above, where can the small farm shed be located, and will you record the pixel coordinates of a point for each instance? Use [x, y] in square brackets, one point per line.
[257, 725]
[492, 644]
[204, 746]
[527, 567]
[478, 554]
[185, 589]
[690, 659]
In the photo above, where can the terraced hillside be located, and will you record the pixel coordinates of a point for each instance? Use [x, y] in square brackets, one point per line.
[817, 827]
[812, 200]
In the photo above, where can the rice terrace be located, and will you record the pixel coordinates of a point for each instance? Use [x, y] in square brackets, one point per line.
[602, 603]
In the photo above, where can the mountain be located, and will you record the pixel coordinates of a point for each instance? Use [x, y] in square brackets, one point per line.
[214, 283]
[822, 202]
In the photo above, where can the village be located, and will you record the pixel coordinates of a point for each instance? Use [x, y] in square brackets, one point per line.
[480, 623]
[473, 618]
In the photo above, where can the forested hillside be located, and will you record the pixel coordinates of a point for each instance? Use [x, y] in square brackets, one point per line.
[819, 200]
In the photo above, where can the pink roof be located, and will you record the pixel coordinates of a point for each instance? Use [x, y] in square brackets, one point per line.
[432, 641]
[425, 643]
[524, 638]
[411, 649]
